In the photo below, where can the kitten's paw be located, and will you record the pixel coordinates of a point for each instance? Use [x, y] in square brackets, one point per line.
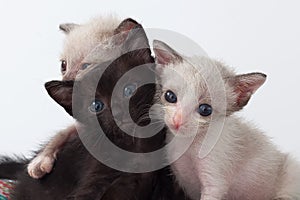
[40, 166]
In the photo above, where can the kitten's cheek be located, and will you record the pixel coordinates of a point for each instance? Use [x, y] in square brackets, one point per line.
[168, 123]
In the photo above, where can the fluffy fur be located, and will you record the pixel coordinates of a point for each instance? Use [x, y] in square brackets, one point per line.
[97, 41]
[85, 43]
[243, 164]
[77, 174]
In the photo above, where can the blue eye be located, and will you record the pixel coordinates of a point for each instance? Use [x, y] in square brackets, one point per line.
[205, 110]
[96, 106]
[129, 90]
[85, 65]
[170, 97]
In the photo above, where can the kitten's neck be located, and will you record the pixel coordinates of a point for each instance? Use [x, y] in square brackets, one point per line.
[223, 132]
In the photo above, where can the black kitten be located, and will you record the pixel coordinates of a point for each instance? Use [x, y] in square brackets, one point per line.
[77, 174]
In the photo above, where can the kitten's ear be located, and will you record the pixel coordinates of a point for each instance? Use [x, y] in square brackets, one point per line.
[61, 92]
[67, 27]
[136, 40]
[125, 26]
[244, 86]
[131, 35]
[164, 54]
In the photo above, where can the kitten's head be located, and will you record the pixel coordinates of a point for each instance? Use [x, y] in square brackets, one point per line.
[91, 43]
[105, 99]
[193, 89]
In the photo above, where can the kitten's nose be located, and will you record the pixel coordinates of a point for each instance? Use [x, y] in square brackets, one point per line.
[177, 120]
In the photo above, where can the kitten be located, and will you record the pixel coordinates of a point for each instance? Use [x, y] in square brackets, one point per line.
[77, 174]
[83, 43]
[97, 41]
[243, 163]
[96, 178]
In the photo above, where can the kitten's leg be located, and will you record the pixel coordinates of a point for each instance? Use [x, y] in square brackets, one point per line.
[214, 185]
[44, 161]
[211, 195]
[289, 189]
[213, 188]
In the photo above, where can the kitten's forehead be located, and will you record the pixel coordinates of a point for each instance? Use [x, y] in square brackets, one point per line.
[90, 49]
[194, 76]
[181, 75]
[102, 52]
[83, 39]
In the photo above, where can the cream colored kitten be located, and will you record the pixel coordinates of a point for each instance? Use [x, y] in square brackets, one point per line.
[95, 42]
[242, 163]
[83, 44]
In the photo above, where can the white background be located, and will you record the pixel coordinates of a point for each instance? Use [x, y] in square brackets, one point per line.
[250, 36]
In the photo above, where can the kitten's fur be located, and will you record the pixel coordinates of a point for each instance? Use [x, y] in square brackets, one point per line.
[243, 164]
[77, 174]
[94, 42]
[84, 42]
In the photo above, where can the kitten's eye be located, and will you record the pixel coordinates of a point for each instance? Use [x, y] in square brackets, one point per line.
[96, 106]
[170, 97]
[85, 65]
[205, 110]
[129, 90]
[63, 66]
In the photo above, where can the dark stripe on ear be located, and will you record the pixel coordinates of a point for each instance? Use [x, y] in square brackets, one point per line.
[67, 27]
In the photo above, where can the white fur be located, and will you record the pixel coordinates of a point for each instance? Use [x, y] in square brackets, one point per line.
[44, 161]
[88, 43]
[243, 164]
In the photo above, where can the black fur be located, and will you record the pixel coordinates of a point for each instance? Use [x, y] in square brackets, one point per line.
[77, 174]
[72, 170]
[10, 167]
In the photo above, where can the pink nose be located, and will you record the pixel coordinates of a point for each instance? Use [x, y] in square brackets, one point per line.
[177, 120]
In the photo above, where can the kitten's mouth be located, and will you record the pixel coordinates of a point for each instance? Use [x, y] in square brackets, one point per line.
[174, 127]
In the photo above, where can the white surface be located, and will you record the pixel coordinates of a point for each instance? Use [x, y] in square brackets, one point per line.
[248, 35]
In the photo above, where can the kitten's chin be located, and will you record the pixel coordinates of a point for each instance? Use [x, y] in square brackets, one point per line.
[182, 131]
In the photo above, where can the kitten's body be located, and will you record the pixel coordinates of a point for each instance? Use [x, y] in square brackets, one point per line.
[87, 44]
[77, 174]
[243, 163]
[252, 169]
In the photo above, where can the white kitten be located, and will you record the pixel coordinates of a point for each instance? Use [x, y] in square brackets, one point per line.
[83, 44]
[95, 42]
[243, 164]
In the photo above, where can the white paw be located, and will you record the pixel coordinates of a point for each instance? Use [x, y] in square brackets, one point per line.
[40, 165]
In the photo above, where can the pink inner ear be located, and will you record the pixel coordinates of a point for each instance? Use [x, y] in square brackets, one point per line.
[125, 26]
[163, 57]
[243, 94]
[128, 27]
[246, 85]
[122, 31]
